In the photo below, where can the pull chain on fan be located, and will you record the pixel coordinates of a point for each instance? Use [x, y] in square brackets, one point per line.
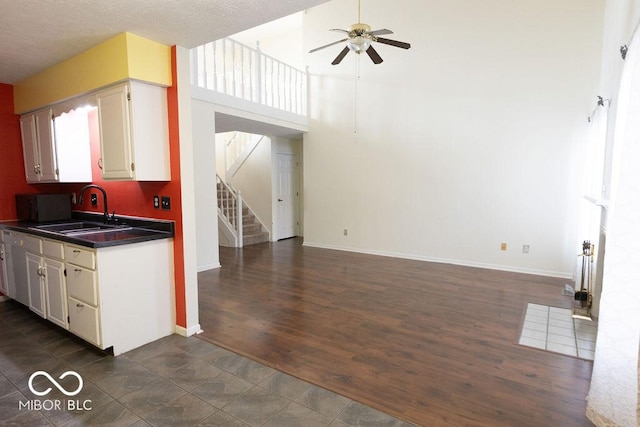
[359, 39]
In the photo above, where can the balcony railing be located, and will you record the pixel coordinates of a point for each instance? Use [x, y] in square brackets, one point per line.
[232, 68]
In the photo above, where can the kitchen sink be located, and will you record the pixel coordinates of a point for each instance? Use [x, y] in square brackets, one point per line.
[79, 228]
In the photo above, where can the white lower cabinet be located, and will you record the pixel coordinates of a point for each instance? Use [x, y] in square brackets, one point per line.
[118, 297]
[82, 290]
[46, 279]
[121, 296]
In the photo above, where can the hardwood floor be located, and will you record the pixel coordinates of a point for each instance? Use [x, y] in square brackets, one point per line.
[434, 344]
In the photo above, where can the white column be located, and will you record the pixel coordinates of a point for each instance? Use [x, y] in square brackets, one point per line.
[187, 183]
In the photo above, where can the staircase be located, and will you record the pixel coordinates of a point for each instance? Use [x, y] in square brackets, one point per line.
[252, 232]
[249, 230]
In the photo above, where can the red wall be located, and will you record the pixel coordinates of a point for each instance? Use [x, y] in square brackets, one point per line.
[12, 178]
[126, 198]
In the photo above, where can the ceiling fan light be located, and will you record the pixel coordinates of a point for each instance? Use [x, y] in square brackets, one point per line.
[359, 44]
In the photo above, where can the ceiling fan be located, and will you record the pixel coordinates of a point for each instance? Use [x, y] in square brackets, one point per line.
[359, 40]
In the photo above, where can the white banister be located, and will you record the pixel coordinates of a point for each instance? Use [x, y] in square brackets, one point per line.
[235, 69]
[230, 209]
[240, 220]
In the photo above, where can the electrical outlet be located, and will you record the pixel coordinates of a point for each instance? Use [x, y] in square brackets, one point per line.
[503, 246]
[94, 199]
[166, 203]
[156, 201]
[525, 249]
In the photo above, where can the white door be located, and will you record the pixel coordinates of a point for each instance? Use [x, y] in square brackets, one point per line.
[287, 196]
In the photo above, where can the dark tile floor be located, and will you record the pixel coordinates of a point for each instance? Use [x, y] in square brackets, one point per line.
[174, 381]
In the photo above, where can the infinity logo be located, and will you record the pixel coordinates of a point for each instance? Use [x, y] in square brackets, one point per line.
[55, 383]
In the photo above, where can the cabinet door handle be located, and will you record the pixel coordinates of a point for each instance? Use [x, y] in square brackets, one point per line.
[100, 162]
[76, 251]
[77, 270]
[79, 305]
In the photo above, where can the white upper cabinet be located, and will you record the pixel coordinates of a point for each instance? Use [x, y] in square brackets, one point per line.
[134, 136]
[134, 132]
[56, 149]
[38, 146]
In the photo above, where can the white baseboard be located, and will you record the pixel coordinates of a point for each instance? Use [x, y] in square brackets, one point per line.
[206, 267]
[548, 273]
[187, 332]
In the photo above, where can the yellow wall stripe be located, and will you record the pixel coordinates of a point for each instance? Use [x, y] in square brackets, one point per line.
[122, 57]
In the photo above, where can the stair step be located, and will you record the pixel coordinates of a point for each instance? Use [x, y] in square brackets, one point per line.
[247, 229]
[254, 238]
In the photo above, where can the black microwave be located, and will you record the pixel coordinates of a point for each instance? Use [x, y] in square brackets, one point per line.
[43, 207]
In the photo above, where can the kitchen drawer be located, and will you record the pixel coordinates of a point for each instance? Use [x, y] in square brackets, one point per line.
[32, 244]
[80, 256]
[53, 249]
[82, 284]
[84, 321]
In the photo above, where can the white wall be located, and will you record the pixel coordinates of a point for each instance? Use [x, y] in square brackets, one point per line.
[203, 119]
[469, 139]
[281, 39]
[221, 141]
[253, 179]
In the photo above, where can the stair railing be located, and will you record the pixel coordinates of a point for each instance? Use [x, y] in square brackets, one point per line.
[229, 67]
[238, 150]
[230, 208]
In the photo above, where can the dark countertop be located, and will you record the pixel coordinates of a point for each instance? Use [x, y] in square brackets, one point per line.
[138, 230]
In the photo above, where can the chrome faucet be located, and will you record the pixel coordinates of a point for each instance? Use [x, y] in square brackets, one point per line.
[104, 199]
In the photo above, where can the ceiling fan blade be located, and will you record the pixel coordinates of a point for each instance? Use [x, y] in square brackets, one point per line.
[341, 56]
[380, 32]
[395, 43]
[373, 54]
[327, 45]
[340, 30]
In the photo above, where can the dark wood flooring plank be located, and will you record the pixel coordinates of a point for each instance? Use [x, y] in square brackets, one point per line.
[434, 344]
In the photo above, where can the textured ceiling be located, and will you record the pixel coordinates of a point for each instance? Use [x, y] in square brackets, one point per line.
[35, 34]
